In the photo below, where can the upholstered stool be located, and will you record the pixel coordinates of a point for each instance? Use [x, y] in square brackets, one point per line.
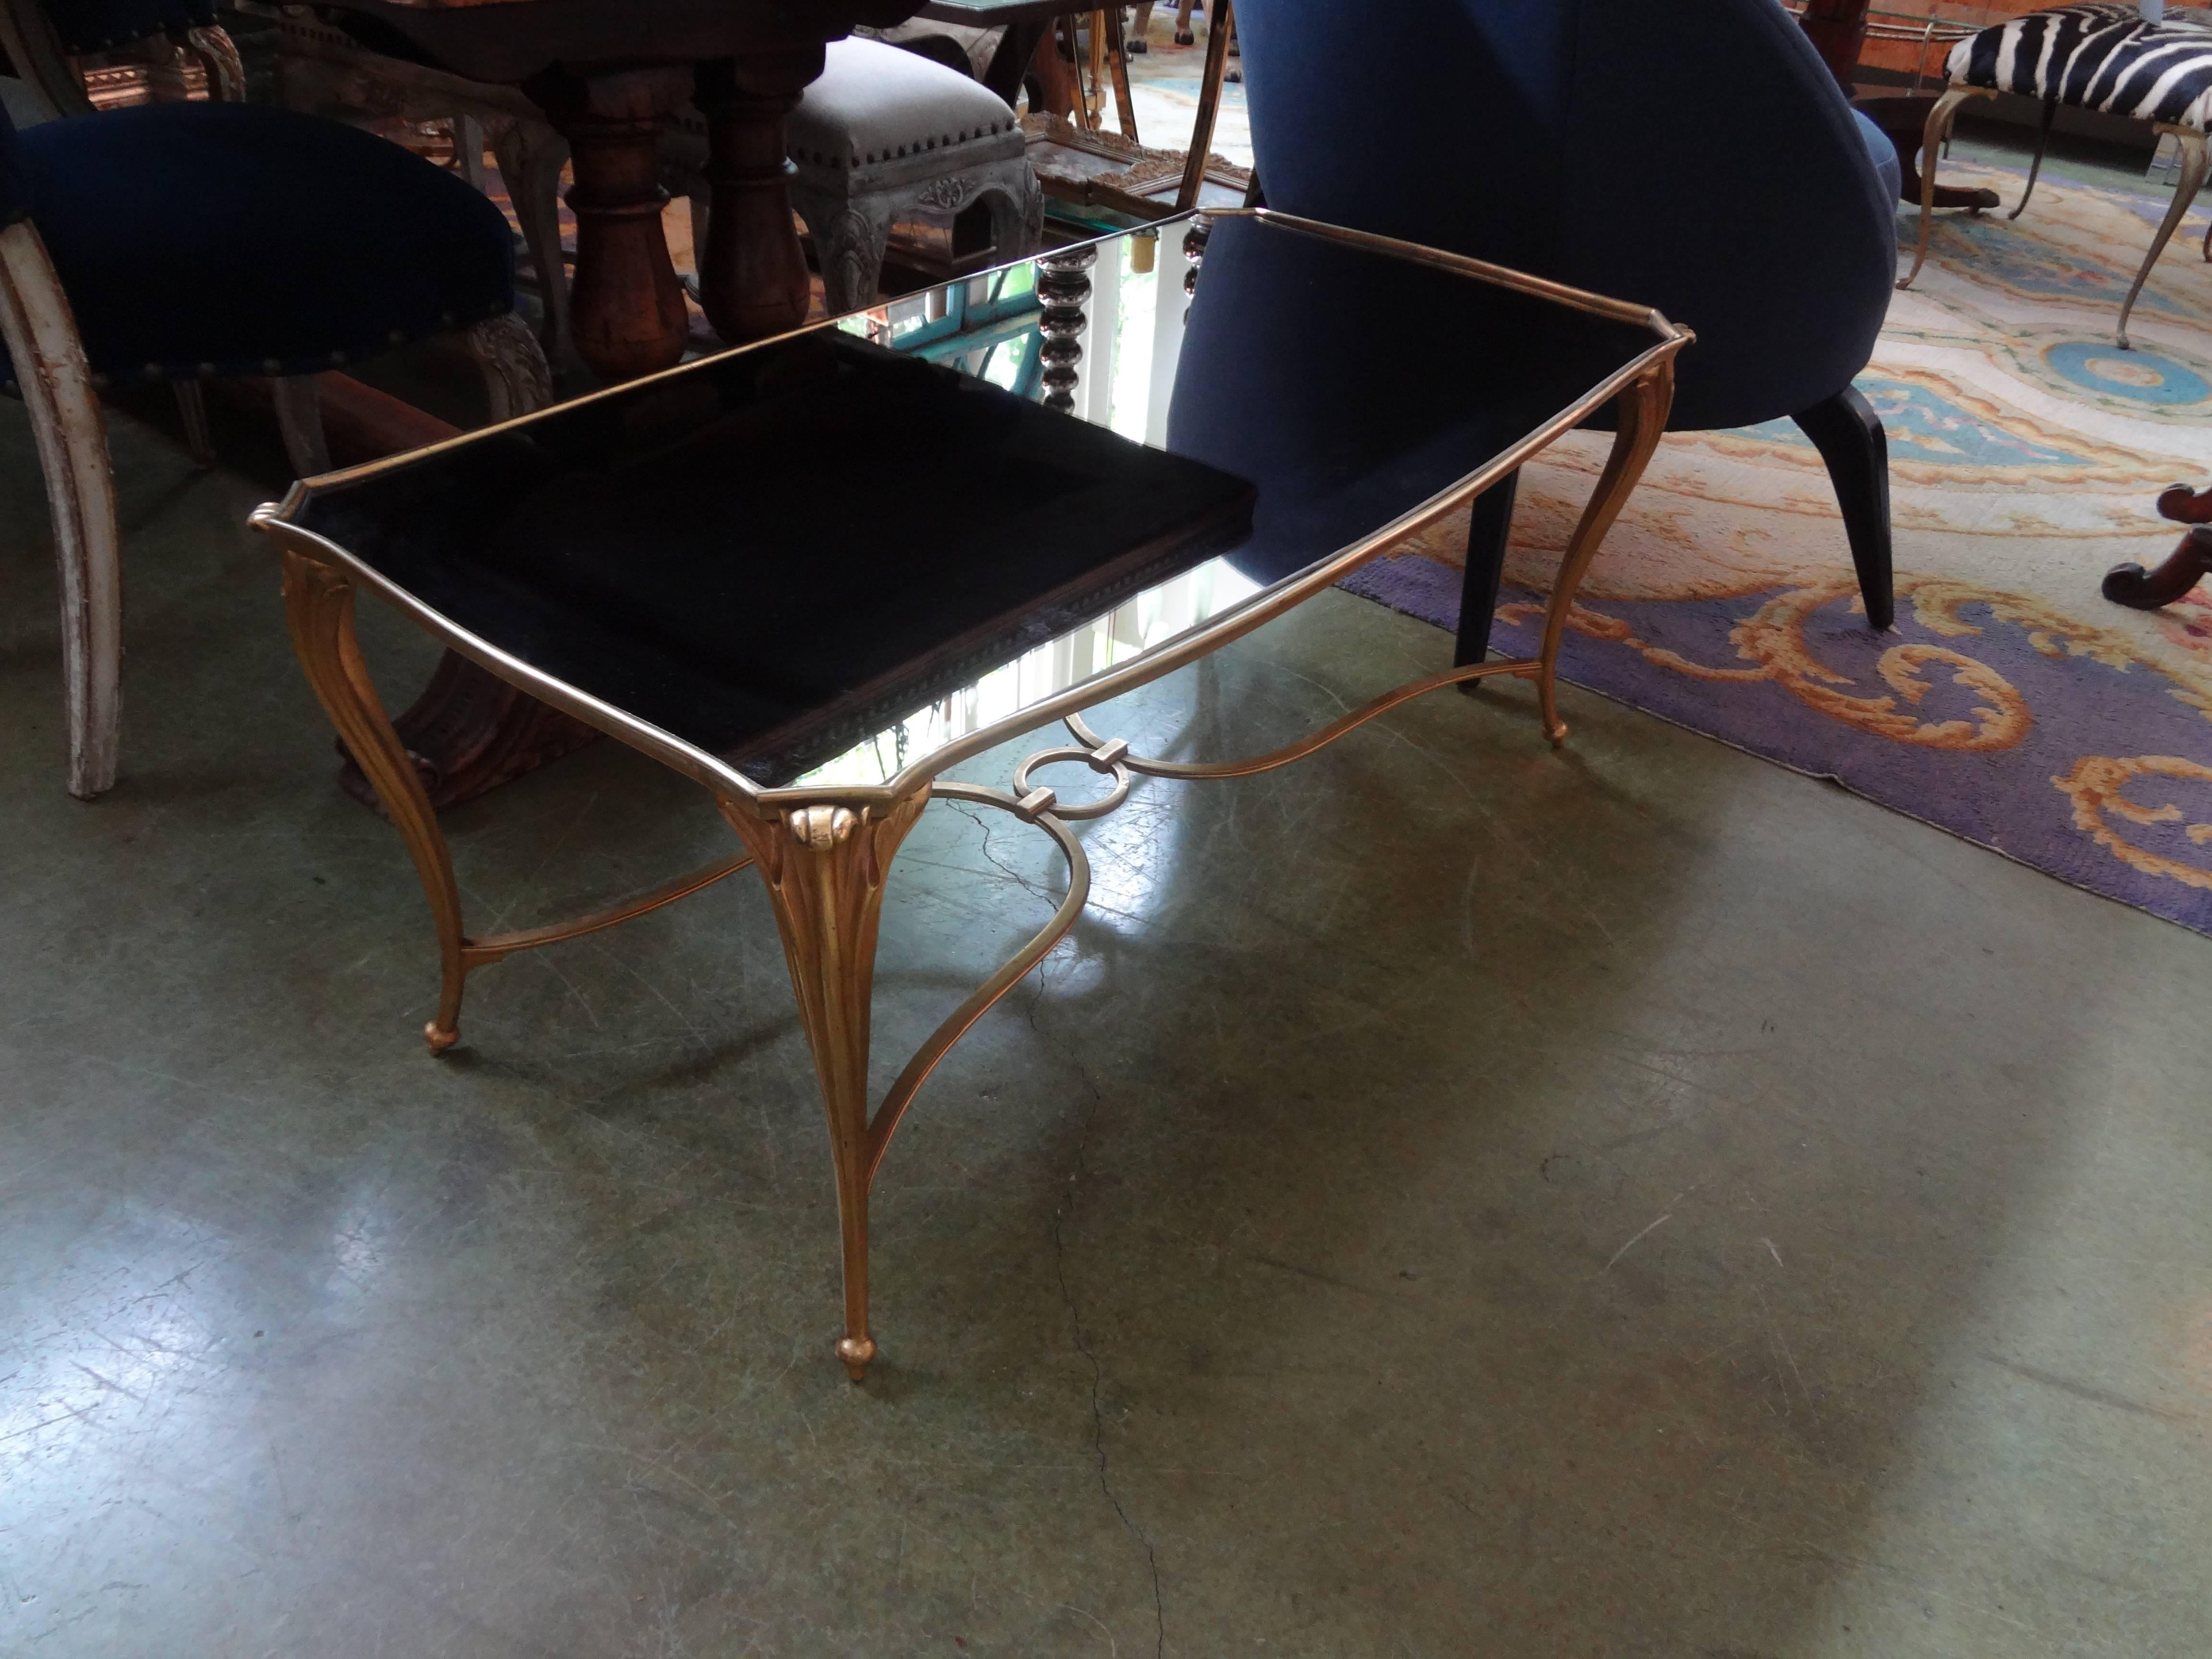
[2101, 56]
[885, 134]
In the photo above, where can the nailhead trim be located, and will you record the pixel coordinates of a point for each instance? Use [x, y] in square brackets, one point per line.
[242, 368]
[869, 158]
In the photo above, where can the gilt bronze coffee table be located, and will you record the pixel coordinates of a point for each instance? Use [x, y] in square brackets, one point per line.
[816, 574]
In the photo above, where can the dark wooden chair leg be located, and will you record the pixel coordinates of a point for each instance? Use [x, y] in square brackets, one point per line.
[1848, 434]
[1488, 529]
[2138, 589]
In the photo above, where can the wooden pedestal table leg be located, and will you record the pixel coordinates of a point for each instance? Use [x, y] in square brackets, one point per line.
[469, 731]
[2188, 564]
[752, 272]
[2139, 589]
[1903, 121]
[1640, 413]
[1838, 30]
[626, 307]
[825, 867]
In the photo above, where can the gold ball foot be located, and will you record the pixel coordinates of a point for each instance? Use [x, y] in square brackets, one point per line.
[1557, 734]
[438, 1038]
[856, 1352]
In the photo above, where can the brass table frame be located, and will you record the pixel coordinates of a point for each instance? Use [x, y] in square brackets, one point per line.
[825, 851]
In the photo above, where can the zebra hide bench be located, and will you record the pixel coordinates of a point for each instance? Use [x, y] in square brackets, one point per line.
[2101, 56]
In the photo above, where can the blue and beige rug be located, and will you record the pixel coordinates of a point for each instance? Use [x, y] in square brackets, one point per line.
[2012, 705]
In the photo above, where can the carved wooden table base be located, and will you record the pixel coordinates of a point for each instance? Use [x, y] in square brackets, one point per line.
[2147, 590]
[468, 732]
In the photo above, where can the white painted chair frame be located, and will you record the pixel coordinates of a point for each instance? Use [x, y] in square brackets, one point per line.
[72, 441]
[66, 422]
[28, 35]
[63, 397]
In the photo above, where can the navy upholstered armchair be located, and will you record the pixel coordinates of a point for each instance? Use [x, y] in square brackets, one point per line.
[186, 242]
[1694, 155]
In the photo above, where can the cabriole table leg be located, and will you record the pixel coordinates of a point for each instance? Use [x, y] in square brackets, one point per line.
[824, 868]
[752, 274]
[318, 605]
[1640, 421]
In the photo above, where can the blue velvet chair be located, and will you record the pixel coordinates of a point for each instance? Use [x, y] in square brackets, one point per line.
[181, 242]
[1691, 155]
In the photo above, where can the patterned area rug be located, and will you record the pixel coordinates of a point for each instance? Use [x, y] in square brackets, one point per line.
[2012, 705]
[1165, 79]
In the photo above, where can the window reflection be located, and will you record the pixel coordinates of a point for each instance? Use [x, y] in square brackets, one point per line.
[987, 326]
[1151, 618]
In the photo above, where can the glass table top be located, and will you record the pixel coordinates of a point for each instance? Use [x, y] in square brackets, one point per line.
[843, 553]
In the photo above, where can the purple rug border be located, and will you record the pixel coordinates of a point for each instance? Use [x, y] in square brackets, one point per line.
[1389, 582]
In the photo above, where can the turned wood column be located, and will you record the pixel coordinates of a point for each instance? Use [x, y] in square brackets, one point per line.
[752, 273]
[1838, 30]
[625, 308]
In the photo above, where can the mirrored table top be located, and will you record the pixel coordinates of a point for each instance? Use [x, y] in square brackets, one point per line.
[880, 543]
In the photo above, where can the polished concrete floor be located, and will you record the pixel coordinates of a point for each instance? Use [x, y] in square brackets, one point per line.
[1449, 1198]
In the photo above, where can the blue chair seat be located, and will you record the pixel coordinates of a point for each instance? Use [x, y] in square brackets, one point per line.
[1884, 153]
[1756, 210]
[198, 239]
